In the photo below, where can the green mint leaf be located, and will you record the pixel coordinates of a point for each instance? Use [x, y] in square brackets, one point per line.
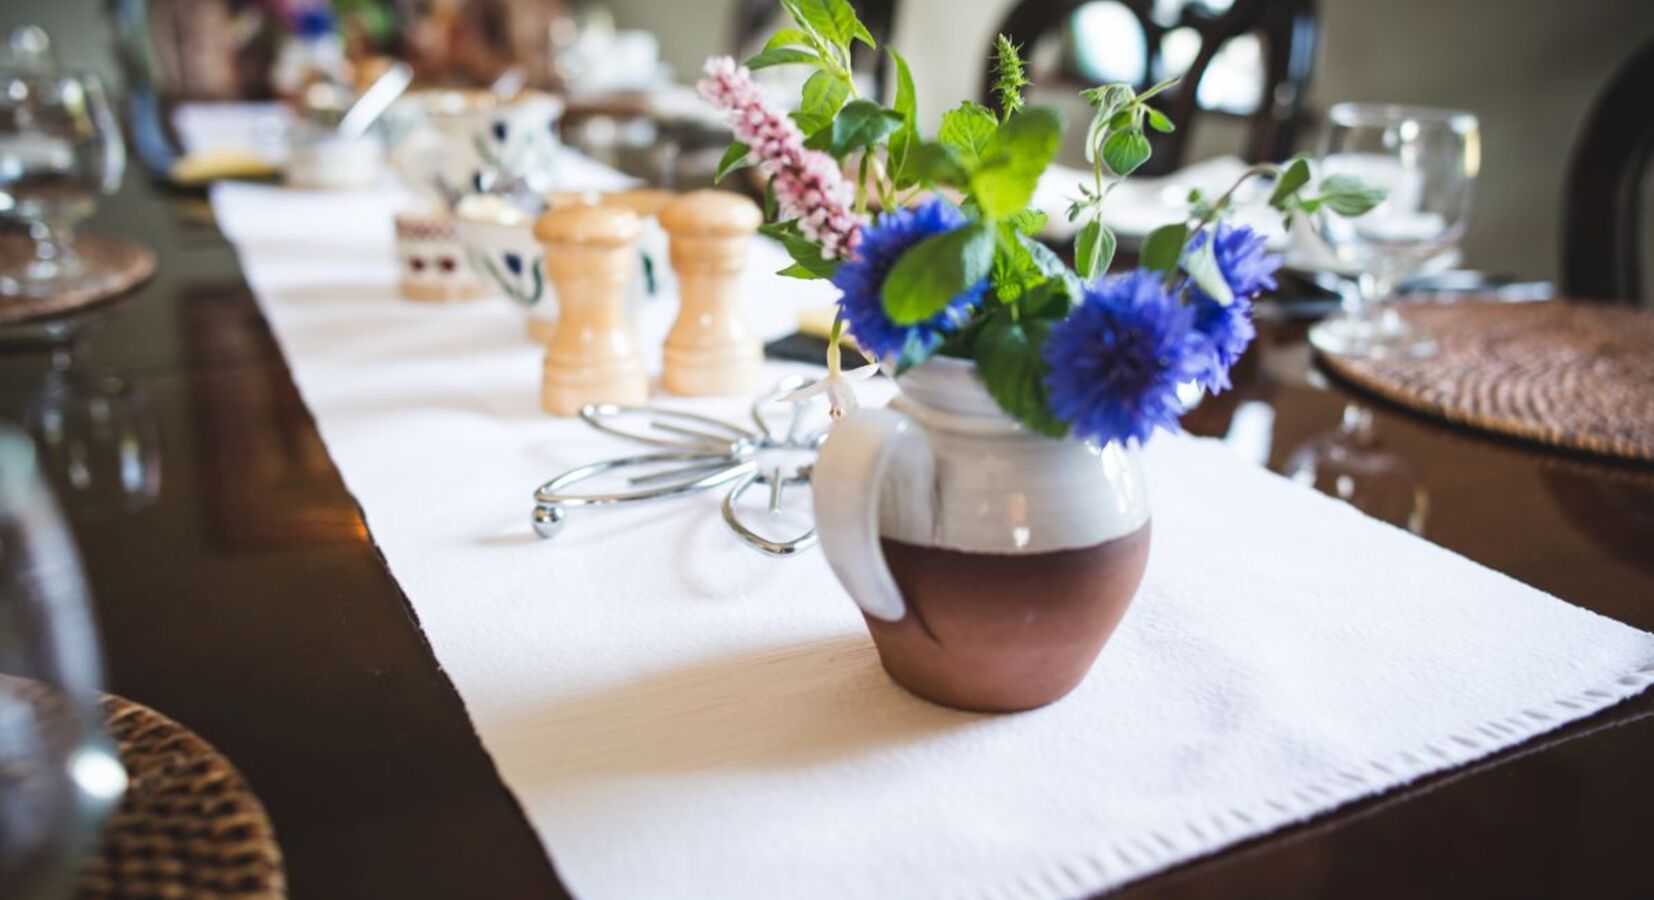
[1009, 363]
[1094, 249]
[1294, 175]
[1159, 121]
[1051, 299]
[806, 253]
[1013, 160]
[907, 105]
[801, 272]
[822, 97]
[1124, 151]
[1202, 266]
[734, 158]
[1349, 196]
[783, 56]
[967, 128]
[834, 20]
[1164, 247]
[936, 164]
[769, 203]
[787, 37]
[1110, 98]
[1028, 221]
[860, 124]
[937, 269]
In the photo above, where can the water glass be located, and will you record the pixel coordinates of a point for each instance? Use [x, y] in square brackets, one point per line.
[60, 149]
[58, 775]
[1426, 160]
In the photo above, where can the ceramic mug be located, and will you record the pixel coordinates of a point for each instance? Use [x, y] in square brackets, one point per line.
[456, 141]
[990, 563]
[432, 262]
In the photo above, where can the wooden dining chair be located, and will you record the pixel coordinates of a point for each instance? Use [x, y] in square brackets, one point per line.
[1285, 32]
[755, 20]
[1601, 209]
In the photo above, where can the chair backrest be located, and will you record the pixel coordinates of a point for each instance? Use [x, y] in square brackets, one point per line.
[1601, 221]
[756, 19]
[1286, 35]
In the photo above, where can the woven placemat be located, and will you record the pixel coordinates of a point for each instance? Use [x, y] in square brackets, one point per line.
[113, 267]
[188, 826]
[1567, 375]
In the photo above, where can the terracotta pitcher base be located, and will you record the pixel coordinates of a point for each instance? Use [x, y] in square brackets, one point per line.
[1005, 633]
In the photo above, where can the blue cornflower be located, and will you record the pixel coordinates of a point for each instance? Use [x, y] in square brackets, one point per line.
[1117, 360]
[1249, 269]
[860, 280]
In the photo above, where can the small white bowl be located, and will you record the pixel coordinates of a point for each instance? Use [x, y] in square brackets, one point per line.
[326, 160]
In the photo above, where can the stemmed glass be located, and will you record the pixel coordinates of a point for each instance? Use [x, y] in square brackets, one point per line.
[60, 148]
[58, 774]
[1426, 160]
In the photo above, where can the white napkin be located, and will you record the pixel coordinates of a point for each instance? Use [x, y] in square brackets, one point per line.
[681, 717]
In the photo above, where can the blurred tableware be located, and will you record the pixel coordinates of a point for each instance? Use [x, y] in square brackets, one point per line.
[432, 259]
[98, 440]
[28, 48]
[60, 149]
[375, 100]
[460, 142]
[58, 776]
[326, 159]
[500, 246]
[1352, 464]
[1426, 161]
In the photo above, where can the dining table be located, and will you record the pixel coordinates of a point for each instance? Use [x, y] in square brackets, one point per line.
[242, 594]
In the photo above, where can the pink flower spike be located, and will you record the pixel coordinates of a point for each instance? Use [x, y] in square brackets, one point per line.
[808, 184]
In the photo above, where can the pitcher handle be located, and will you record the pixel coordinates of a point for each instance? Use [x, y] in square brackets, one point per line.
[845, 487]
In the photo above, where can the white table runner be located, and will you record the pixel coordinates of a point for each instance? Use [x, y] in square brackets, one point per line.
[681, 717]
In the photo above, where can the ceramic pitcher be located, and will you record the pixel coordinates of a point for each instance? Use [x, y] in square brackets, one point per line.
[990, 563]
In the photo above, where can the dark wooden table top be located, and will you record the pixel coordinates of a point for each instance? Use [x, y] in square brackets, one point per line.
[242, 595]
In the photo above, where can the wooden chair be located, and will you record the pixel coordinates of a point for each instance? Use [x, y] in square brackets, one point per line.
[756, 19]
[1601, 221]
[1286, 30]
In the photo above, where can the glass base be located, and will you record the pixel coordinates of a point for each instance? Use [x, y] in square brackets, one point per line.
[1382, 335]
[44, 275]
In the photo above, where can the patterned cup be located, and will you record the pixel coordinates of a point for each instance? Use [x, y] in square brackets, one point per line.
[432, 259]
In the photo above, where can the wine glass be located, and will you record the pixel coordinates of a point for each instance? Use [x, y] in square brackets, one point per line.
[1426, 161]
[60, 148]
[58, 774]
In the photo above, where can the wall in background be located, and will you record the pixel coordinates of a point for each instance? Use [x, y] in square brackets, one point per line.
[1528, 68]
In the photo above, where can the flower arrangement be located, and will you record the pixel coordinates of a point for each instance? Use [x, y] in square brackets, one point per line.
[932, 245]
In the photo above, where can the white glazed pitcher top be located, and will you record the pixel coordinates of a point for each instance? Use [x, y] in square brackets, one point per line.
[994, 486]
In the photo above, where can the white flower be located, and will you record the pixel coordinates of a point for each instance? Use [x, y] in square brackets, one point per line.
[839, 388]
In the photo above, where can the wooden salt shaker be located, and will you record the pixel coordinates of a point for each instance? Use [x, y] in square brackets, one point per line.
[593, 355]
[711, 349]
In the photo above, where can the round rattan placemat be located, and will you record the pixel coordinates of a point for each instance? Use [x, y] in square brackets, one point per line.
[113, 267]
[188, 826]
[1568, 375]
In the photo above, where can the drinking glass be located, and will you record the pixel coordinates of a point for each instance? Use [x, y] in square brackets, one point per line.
[60, 148]
[1426, 160]
[58, 774]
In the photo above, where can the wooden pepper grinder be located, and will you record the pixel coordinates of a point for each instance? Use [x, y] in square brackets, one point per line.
[711, 349]
[593, 355]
